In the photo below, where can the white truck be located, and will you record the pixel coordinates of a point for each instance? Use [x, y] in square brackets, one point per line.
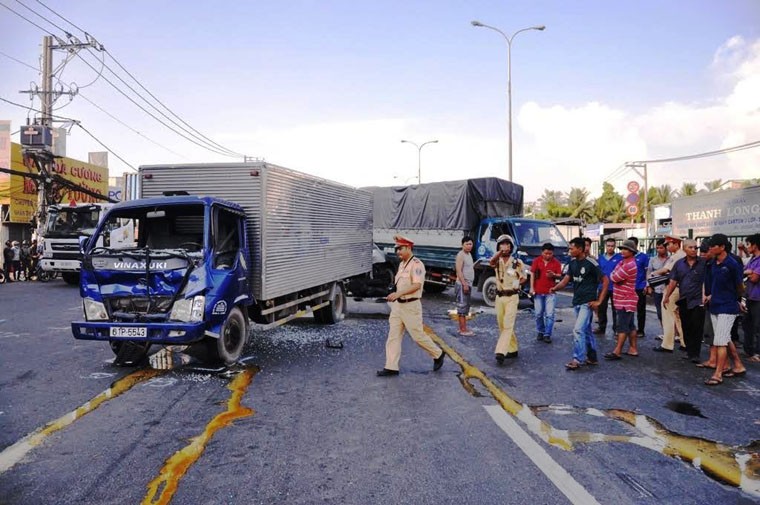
[64, 225]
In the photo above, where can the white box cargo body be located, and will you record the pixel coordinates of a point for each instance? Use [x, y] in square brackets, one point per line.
[303, 231]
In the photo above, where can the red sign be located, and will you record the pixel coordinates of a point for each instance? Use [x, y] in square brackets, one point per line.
[632, 210]
[633, 187]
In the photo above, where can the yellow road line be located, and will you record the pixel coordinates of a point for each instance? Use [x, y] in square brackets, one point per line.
[162, 488]
[13, 454]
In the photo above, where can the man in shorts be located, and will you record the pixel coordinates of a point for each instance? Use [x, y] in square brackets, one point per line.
[625, 300]
[463, 286]
[723, 290]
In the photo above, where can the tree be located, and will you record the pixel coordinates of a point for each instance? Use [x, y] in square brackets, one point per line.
[713, 185]
[661, 194]
[579, 205]
[610, 206]
[687, 189]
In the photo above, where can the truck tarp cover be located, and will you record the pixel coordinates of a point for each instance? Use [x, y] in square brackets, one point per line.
[450, 205]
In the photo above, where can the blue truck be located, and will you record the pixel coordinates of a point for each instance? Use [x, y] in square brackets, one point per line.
[213, 252]
[435, 216]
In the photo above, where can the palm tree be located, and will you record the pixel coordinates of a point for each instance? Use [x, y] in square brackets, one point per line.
[579, 205]
[660, 194]
[551, 199]
[687, 189]
[610, 206]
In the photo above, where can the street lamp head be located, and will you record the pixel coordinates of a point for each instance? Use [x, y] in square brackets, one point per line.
[476, 23]
[404, 141]
[539, 27]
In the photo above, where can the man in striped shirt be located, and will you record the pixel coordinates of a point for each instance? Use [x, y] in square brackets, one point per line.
[625, 300]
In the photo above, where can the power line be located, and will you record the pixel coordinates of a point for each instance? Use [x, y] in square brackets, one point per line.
[198, 138]
[54, 12]
[726, 150]
[27, 19]
[125, 95]
[104, 111]
[79, 124]
[167, 108]
[43, 17]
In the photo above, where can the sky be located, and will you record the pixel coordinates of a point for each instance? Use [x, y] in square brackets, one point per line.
[331, 87]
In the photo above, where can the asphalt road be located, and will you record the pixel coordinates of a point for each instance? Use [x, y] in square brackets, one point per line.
[307, 421]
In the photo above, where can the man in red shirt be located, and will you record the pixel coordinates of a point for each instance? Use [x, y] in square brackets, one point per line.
[625, 300]
[544, 271]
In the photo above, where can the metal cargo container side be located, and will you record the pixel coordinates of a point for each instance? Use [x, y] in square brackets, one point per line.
[305, 231]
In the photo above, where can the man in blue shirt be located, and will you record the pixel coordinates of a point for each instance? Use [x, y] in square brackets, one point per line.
[642, 262]
[607, 262]
[723, 290]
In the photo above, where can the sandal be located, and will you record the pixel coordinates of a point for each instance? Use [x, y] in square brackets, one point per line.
[573, 365]
[466, 334]
[731, 373]
[632, 355]
[591, 362]
[612, 356]
[706, 365]
[712, 381]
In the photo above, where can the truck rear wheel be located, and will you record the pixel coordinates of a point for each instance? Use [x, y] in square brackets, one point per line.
[232, 339]
[489, 291]
[129, 353]
[71, 278]
[335, 311]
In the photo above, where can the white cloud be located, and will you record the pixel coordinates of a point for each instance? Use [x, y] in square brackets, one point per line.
[581, 146]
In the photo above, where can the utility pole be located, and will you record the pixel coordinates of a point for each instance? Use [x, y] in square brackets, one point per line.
[38, 142]
[645, 207]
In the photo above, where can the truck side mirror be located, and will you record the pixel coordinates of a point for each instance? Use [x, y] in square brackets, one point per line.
[83, 242]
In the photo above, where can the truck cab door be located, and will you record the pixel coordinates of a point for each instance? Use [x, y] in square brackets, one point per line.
[228, 254]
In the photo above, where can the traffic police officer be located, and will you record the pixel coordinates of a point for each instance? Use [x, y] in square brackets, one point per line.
[406, 310]
[510, 273]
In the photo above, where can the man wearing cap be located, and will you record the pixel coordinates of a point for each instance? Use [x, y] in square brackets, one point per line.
[723, 290]
[688, 276]
[406, 310]
[510, 273]
[625, 300]
[671, 321]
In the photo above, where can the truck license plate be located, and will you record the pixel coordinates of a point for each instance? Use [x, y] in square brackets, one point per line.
[128, 331]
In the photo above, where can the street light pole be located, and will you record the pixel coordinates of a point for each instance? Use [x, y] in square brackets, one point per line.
[509, 39]
[419, 155]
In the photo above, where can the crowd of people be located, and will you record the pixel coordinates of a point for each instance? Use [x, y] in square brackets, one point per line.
[702, 293]
[20, 260]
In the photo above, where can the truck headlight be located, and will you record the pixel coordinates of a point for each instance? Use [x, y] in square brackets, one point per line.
[189, 310]
[94, 310]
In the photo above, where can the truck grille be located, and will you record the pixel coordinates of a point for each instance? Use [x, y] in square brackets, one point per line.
[138, 305]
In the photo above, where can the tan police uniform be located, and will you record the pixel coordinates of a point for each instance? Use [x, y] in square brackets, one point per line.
[509, 272]
[406, 313]
[671, 319]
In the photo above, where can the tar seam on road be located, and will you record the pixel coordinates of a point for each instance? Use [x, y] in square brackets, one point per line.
[167, 481]
[560, 477]
[736, 466]
[14, 453]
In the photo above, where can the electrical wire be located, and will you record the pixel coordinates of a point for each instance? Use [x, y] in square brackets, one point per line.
[200, 138]
[726, 150]
[77, 123]
[104, 111]
[54, 12]
[42, 17]
[125, 95]
[167, 108]
[27, 19]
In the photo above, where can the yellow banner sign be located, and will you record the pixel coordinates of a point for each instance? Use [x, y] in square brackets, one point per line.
[21, 192]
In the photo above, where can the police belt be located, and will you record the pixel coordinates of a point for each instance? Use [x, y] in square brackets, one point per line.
[507, 292]
[401, 300]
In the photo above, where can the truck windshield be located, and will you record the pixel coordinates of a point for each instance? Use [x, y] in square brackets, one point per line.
[71, 221]
[536, 233]
[169, 227]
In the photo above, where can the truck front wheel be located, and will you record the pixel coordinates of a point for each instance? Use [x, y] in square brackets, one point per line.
[489, 291]
[71, 278]
[129, 353]
[232, 339]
